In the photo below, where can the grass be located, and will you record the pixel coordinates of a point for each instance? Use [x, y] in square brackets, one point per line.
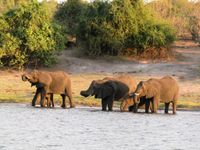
[14, 90]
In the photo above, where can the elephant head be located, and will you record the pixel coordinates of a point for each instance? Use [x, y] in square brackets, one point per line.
[99, 88]
[104, 90]
[139, 92]
[134, 99]
[90, 90]
[31, 77]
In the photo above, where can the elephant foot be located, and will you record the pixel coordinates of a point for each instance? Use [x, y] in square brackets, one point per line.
[72, 106]
[64, 107]
[174, 113]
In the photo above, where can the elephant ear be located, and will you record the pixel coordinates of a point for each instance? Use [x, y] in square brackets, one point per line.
[42, 77]
[108, 89]
[150, 90]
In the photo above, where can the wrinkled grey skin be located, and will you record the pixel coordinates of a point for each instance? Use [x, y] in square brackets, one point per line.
[107, 91]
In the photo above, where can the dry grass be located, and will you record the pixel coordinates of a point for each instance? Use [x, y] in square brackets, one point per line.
[13, 89]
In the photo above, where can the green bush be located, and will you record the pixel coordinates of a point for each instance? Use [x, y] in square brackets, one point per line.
[112, 27]
[69, 15]
[28, 35]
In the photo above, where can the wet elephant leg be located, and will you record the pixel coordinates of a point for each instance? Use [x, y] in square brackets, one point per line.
[154, 105]
[51, 98]
[110, 104]
[135, 108]
[104, 104]
[166, 107]
[174, 107]
[38, 91]
[48, 100]
[63, 101]
[72, 105]
[43, 97]
[147, 104]
[130, 108]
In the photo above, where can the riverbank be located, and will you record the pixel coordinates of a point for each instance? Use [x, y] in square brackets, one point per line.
[14, 90]
[184, 68]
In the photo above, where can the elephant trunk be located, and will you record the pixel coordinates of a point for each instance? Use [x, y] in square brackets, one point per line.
[85, 93]
[89, 91]
[25, 77]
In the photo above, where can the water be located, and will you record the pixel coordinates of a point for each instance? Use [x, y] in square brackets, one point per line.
[88, 128]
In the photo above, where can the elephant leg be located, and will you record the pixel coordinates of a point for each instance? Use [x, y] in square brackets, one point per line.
[51, 98]
[43, 97]
[166, 107]
[104, 104]
[48, 101]
[63, 101]
[147, 104]
[130, 108]
[110, 104]
[72, 105]
[38, 91]
[174, 107]
[154, 105]
[135, 108]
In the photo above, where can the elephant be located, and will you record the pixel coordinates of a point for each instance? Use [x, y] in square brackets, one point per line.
[40, 91]
[110, 89]
[143, 101]
[57, 82]
[165, 90]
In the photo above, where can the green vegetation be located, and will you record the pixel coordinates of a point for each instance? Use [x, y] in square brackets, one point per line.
[113, 27]
[28, 35]
[32, 32]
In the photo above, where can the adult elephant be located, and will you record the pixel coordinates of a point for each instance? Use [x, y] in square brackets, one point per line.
[164, 90]
[54, 83]
[110, 89]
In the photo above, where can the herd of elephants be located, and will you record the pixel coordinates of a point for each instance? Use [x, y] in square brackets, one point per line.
[122, 87]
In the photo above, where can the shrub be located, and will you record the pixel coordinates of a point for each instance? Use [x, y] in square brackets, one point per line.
[113, 27]
[29, 36]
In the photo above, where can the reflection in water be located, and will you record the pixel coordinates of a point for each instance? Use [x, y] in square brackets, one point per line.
[25, 127]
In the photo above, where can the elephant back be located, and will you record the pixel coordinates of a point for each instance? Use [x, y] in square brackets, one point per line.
[169, 89]
[129, 81]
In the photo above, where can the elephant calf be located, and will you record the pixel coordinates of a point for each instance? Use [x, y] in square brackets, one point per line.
[53, 82]
[164, 90]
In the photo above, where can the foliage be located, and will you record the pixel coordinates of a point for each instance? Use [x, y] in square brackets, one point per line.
[112, 27]
[27, 35]
[69, 14]
[184, 15]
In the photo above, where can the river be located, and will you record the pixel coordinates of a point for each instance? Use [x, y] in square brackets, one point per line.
[23, 127]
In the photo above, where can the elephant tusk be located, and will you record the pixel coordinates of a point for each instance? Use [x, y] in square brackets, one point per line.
[137, 94]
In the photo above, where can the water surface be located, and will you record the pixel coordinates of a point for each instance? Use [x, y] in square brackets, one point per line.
[88, 128]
